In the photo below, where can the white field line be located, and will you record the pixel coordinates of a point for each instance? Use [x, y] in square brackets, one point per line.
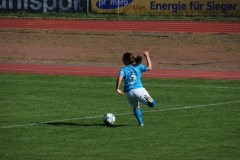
[122, 114]
[157, 85]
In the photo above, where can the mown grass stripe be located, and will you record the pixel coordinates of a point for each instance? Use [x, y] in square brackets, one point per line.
[109, 83]
[122, 114]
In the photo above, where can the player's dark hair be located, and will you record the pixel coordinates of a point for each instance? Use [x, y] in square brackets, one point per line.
[129, 57]
[138, 60]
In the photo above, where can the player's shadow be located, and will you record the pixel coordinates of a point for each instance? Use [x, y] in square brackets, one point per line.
[84, 125]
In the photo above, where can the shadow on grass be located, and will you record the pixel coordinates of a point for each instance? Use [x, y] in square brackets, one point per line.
[84, 125]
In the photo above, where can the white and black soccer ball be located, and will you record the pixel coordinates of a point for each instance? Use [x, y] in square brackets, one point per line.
[109, 119]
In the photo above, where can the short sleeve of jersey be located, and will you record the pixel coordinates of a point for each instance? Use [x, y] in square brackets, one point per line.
[143, 68]
[121, 72]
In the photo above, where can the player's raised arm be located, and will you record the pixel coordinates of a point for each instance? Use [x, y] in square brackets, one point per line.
[149, 63]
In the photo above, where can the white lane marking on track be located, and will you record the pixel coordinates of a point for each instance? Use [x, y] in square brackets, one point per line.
[49, 70]
[193, 75]
[121, 114]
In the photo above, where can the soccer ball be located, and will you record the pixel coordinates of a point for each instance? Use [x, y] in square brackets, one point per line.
[109, 118]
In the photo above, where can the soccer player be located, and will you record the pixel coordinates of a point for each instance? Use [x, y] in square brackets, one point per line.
[133, 87]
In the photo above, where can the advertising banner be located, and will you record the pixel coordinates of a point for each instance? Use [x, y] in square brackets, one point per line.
[166, 6]
[44, 5]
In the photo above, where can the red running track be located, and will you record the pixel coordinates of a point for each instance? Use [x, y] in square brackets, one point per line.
[109, 71]
[149, 26]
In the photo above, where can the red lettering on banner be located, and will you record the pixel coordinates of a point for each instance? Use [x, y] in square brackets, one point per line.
[135, 7]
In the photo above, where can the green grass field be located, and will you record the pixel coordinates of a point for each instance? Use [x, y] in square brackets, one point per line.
[60, 117]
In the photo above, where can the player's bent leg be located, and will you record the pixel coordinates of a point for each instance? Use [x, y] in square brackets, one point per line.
[150, 101]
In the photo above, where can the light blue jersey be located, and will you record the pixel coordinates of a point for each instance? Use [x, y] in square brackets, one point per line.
[132, 76]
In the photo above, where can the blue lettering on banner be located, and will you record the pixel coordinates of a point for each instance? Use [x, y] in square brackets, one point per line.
[193, 5]
[168, 6]
[220, 7]
[112, 4]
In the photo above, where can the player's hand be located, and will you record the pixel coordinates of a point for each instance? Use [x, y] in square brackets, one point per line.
[146, 54]
[120, 92]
